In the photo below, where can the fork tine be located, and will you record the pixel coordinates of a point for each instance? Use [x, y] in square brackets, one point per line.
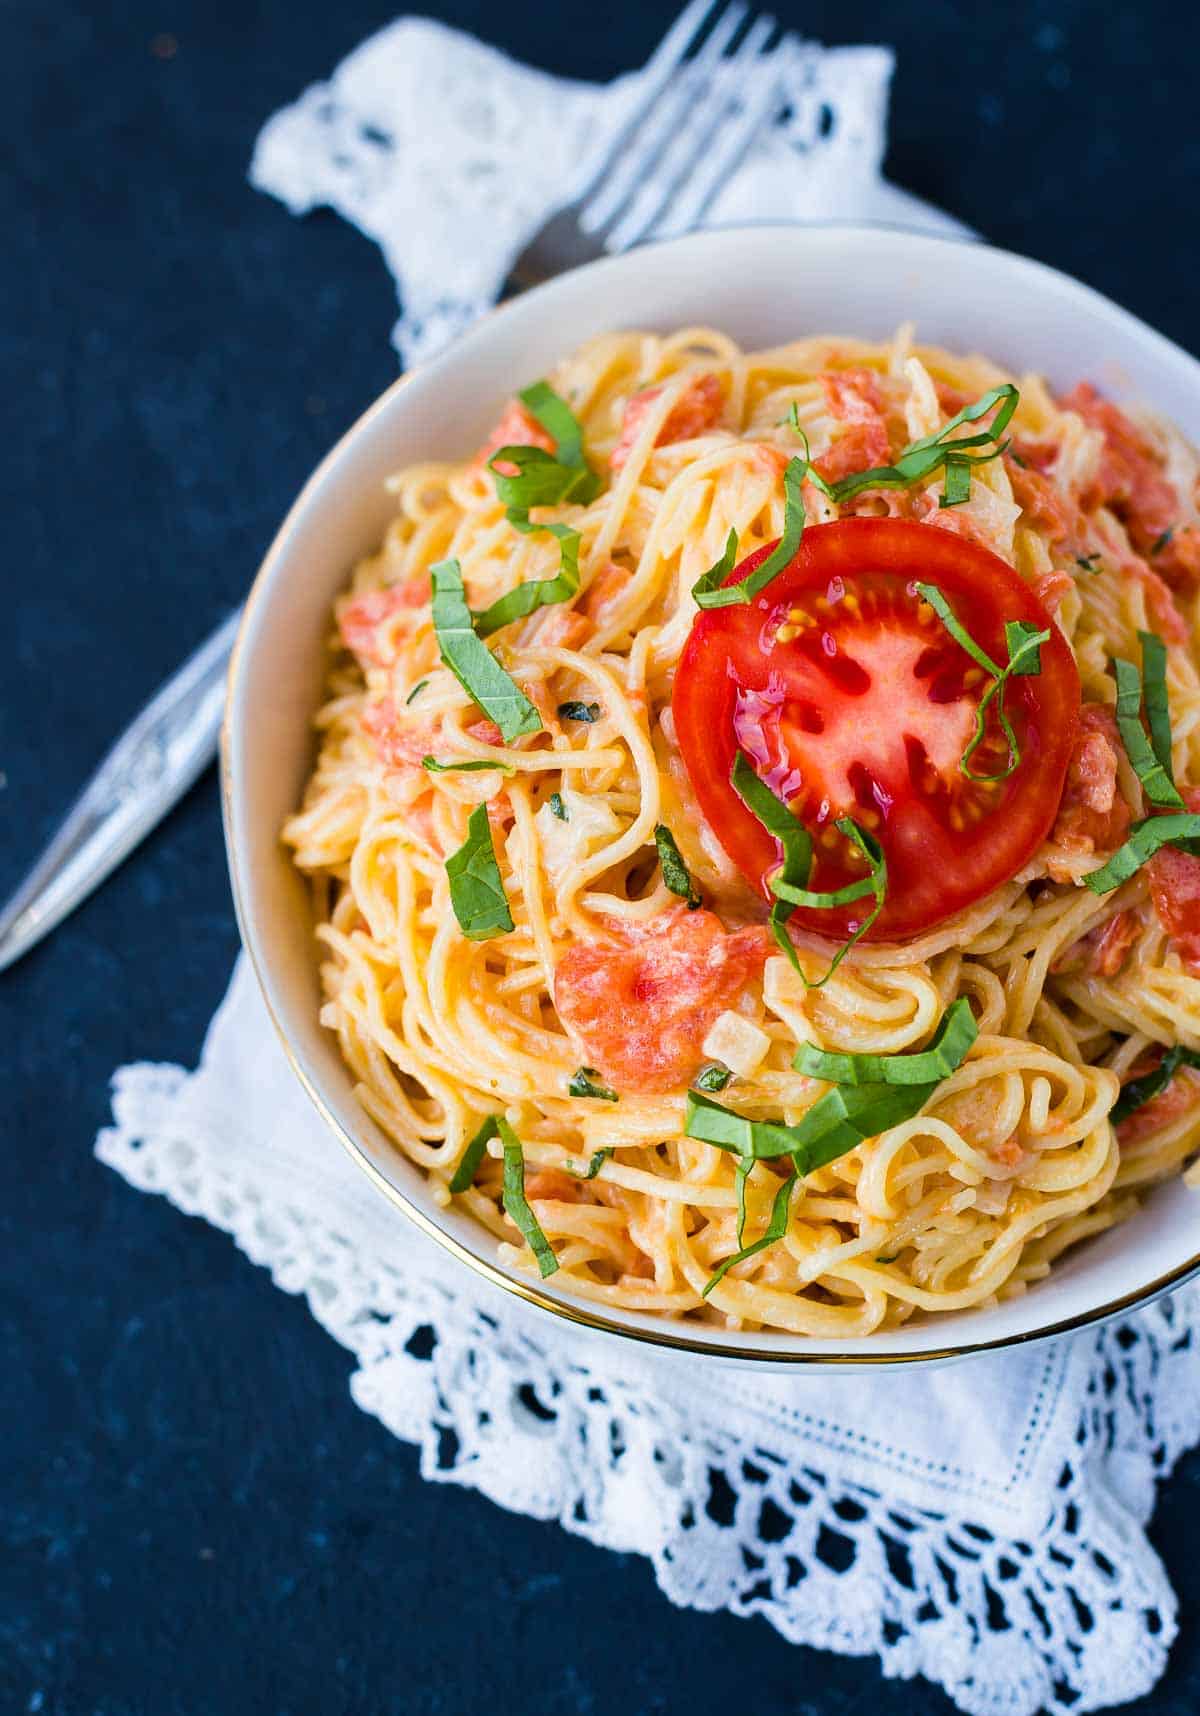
[655, 76]
[655, 138]
[688, 207]
[708, 122]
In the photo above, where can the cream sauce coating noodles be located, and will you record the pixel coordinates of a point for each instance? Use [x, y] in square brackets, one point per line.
[1013, 1158]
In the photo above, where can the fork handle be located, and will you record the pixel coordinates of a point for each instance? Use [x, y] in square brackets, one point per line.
[148, 770]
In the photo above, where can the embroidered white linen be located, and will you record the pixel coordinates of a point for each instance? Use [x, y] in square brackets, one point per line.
[980, 1525]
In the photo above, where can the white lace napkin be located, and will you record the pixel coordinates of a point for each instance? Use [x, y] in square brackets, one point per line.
[981, 1525]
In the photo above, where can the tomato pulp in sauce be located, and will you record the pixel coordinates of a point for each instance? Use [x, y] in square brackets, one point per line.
[852, 699]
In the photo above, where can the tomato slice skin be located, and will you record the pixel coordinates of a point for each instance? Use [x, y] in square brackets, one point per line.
[863, 708]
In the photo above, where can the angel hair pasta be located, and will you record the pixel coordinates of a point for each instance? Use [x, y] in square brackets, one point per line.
[754, 838]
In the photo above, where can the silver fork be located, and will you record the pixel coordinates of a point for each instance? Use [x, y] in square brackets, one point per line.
[697, 113]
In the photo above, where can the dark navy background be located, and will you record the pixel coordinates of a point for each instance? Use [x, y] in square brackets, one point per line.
[194, 1518]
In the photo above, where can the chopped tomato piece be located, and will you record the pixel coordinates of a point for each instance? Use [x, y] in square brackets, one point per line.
[854, 399]
[553, 1183]
[640, 1010]
[1171, 1104]
[1174, 879]
[1043, 503]
[1093, 815]
[485, 731]
[605, 587]
[516, 428]
[1051, 587]
[398, 743]
[360, 620]
[850, 698]
[1110, 948]
[566, 628]
[1133, 482]
[698, 408]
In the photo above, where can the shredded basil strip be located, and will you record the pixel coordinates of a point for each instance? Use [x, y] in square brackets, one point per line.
[1087, 562]
[710, 591]
[957, 485]
[581, 1085]
[1156, 781]
[874, 884]
[776, 1228]
[712, 1077]
[945, 1054]
[542, 479]
[515, 1202]
[472, 1156]
[792, 835]
[1143, 1090]
[1024, 658]
[470, 660]
[839, 1121]
[557, 419]
[536, 593]
[920, 459]
[1163, 541]
[596, 1162]
[471, 767]
[416, 691]
[1147, 838]
[788, 883]
[476, 887]
[571, 711]
[1158, 708]
[558, 808]
[674, 871]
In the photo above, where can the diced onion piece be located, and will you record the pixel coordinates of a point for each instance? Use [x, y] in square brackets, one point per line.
[740, 1045]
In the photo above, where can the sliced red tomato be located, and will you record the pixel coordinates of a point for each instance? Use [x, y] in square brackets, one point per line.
[850, 698]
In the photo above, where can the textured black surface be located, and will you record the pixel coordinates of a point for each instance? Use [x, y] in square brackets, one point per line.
[193, 1516]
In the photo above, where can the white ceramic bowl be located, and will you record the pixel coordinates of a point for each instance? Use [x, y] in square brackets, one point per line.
[763, 285]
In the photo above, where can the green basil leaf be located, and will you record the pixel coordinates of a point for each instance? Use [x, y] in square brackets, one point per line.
[416, 691]
[476, 887]
[843, 1118]
[536, 593]
[472, 767]
[945, 1054]
[1140, 1091]
[674, 870]
[581, 1085]
[709, 592]
[538, 478]
[712, 1077]
[962, 637]
[558, 808]
[920, 459]
[1024, 644]
[792, 835]
[515, 1202]
[1145, 840]
[579, 711]
[1158, 708]
[596, 1162]
[957, 485]
[1157, 784]
[1024, 658]
[557, 419]
[470, 660]
[776, 1228]
[472, 1156]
